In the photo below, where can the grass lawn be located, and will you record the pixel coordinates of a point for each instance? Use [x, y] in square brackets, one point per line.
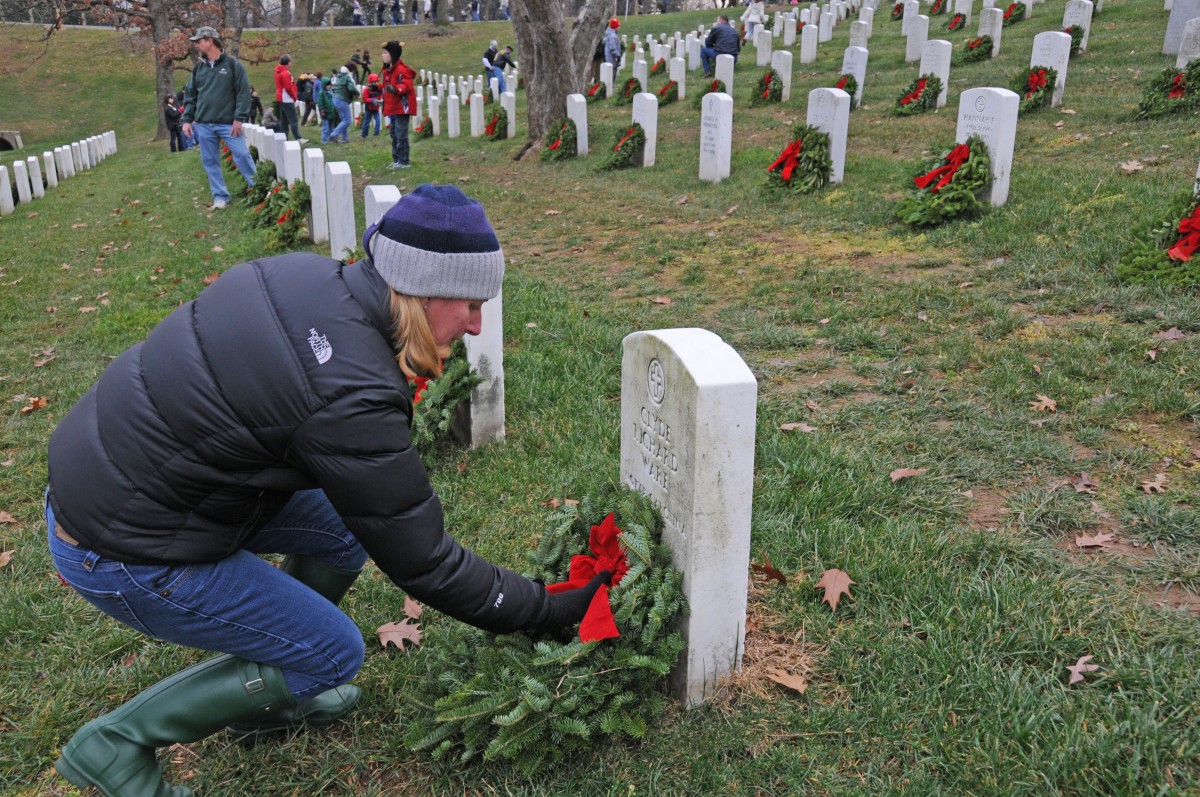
[945, 674]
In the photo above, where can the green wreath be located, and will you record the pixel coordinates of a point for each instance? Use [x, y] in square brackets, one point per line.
[630, 142]
[1148, 261]
[425, 129]
[941, 200]
[562, 141]
[938, 7]
[920, 96]
[497, 129]
[668, 93]
[799, 27]
[282, 212]
[535, 703]
[768, 90]
[660, 66]
[805, 164]
[1171, 91]
[977, 49]
[1076, 33]
[708, 88]
[897, 11]
[957, 22]
[597, 91]
[849, 84]
[264, 179]
[1035, 86]
[631, 89]
[1014, 14]
[436, 401]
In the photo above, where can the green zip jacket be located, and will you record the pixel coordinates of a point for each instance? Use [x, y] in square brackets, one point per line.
[218, 93]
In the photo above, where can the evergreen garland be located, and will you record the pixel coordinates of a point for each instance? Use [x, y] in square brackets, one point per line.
[849, 84]
[978, 49]
[596, 91]
[933, 205]
[282, 213]
[957, 22]
[1172, 91]
[938, 7]
[1014, 14]
[804, 165]
[1076, 33]
[425, 129]
[709, 87]
[561, 141]
[1148, 261]
[533, 702]
[497, 129]
[630, 142]
[264, 180]
[668, 93]
[660, 67]
[768, 90]
[1035, 85]
[632, 88]
[435, 401]
[920, 96]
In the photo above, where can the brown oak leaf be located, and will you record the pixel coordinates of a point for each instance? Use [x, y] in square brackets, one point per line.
[798, 427]
[1083, 483]
[1095, 541]
[1044, 404]
[211, 278]
[412, 608]
[7, 518]
[5, 556]
[769, 570]
[904, 473]
[1079, 668]
[664, 300]
[1172, 334]
[36, 403]
[836, 583]
[398, 633]
[785, 678]
[1157, 485]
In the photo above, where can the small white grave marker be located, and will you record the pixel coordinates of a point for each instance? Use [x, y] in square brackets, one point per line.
[21, 178]
[808, 44]
[314, 175]
[1079, 12]
[35, 177]
[293, 168]
[992, 113]
[724, 70]
[645, 113]
[51, 169]
[991, 23]
[829, 112]
[339, 193]
[1052, 49]
[508, 101]
[577, 113]
[762, 44]
[781, 62]
[825, 28]
[935, 60]
[1181, 12]
[435, 115]
[481, 419]
[716, 136]
[964, 7]
[854, 62]
[606, 77]
[377, 200]
[476, 115]
[918, 34]
[1189, 44]
[6, 202]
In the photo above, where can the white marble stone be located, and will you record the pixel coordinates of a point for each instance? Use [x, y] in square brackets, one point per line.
[918, 34]
[789, 31]
[762, 46]
[339, 193]
[688, 409]
[51, 170]
[606, 77]
[85, 154]
[867, 15]
[76, 158]
[716, 136]
[293, 167]
[1189, 43]
[645, 113]
[453, 121]
[476, 111]
[825, 27]
[781, 62]
[829, 112]
[854, 62]
[6, 201]
[377, 200]
[724, 70]
[935, 60]
[641, 71]
[858, 34]
[481, 419]
[1079, 12]
[808, 44]
[991, 23]
[677, 71]
[508, 101]
[965, 7]
[435, 115]
[992, 113]
[314, 175]
[911, 9]
[277, 151]
[693, 53]
[1052, 49]
[1181, 12]
[777, 26]
[577, 113]
[494, 87]
[35, 177]
[66, 165]
[21, 180]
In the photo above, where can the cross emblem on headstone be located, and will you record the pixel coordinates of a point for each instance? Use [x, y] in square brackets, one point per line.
[656, 381]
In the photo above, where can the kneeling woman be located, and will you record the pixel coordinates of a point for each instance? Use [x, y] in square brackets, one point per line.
[271, 415]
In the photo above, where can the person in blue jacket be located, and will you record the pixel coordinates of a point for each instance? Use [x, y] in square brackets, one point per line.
[270, 415]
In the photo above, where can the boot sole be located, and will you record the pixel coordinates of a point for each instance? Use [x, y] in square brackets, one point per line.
[72, 774]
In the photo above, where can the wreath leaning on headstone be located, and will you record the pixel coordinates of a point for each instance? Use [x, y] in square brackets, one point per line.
[561, 141]
[1036, 87]
[537, 702]
[920, 96]
[768, 90]
[631, 89]
[1076, 34]
[1165, 250]
[977, 49]
[938, 7]
[849, 84]
[951, 189]
[897, 11]
[630, 142]
[1014, 14]
[708, 87]
[596, 91]
[497, 129]
[957, 22]
[659, 68]
[668, 93]
[282, 212]
[435, 401]
[805, 164]
[1171, 91]
[425, 129]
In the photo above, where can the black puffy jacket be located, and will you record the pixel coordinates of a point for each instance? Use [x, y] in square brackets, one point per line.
[278, 377]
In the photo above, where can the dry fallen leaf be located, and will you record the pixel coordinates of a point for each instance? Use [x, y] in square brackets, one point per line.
[36, 403]
[799, 427]
[836, 584]
[1079, 668]
[211, 278]
[398, 633]
[662, 300]
[1172, 334]
[7, 518]
[904, 473]
[412, 608]
[1131, 167]
[812, 405]
[1095, 541]
[1158, 485]
[785, 678]
[553, 212]
[88, 309]
[769, 570]
[1152, 354]
[1083, 483]
[5, 556]
[682, 200]
[1044, 404]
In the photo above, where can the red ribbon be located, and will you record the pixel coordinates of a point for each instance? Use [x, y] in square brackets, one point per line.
[944, 174]
[1036, 82]
[1177, 87]
[557, 141]
[915, 94]
[663, 91]
[491, 128]
[420, 383]
[592, 91]
[788, 159]
[766, 85]
[971, 45]
[598, 623]
[841, 84]
[1008, 12]
[628, 133]
[957, 22]
[1186, 246]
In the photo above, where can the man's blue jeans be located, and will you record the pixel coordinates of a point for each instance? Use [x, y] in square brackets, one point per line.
[498, 73]
[343, 128]
[242, 605]
[209, 137]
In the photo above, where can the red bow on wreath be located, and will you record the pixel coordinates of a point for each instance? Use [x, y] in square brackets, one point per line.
[1036, 82]
[971, 45]
[1008, 11]
[766, 85]
[598, 623]
[944, 174]
[491, 128]
[841, 84]
[788, 159]
[915, 94]
[557, 141]
[625, 138]
[1190, 242]
[1177, 87]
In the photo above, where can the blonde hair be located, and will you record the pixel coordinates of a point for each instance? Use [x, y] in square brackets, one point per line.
[417, 352]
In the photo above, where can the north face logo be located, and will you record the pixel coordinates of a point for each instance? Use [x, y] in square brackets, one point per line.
[320, 346]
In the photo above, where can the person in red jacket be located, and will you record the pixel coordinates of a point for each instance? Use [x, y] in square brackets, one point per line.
[399, 100]
[286, 95]
[372, 97]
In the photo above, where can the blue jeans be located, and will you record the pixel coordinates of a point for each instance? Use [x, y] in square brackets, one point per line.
[209, 137]
[498, 73]
[242, 604]
[367, 117]
[343, 126]
[398, 127]
[326, 129]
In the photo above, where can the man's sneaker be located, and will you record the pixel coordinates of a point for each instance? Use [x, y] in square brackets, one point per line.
[302, 141]
[218, 204]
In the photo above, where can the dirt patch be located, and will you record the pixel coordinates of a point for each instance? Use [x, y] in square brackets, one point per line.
[988, 510]
[1173, 598]
[841, 375]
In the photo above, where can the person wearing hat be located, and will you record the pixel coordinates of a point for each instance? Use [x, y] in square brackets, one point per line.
[612, 45]
[399, 100]
[721, 40]
[270, 415]
[216, 103]
[372, 97]
[286, 94]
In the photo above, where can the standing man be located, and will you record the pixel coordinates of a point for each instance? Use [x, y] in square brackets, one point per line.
[399, 100]
[498, 63]
[612, 44]
[286, 94]
[216, 103]
[721, 40]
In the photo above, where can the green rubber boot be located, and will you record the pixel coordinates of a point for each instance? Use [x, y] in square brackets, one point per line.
[115, 752]
[332, 583]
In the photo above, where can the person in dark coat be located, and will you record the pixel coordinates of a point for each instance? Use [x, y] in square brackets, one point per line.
[721, 40]
[270, 415]
[173, 117]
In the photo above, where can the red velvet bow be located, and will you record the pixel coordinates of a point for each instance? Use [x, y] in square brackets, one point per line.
[944, 174]
[841, 84]
[915, 94]
[788, 159]
[557, 141]
[1036, 82]
[1008, 11]
[598, 623]
[1177, 87]
[1186, 246]
[592, 91]
[971, 45]
[623, 140]
[958, 21]
[491, 128]
[767, 85]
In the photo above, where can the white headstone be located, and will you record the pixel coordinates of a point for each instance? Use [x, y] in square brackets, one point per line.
[688, 409]
[606, 77]
[781, 62]
[453, 123]
[21, 178]
[1052, 48]
[991, 23]
[508, 101]
[377, 200]
[964, 7]
[577, 113]
[85, 154]
[808, 44]
[680, 48]
[724, 70]
[435, 115]
[494, 87]
[645, 113]
[992, 113]
[339, 193]
[777, 30]
[277, 152]
[314, 175]
[935, 60]
[481, 419]
[911, 9]
[1181, 12]
[35, 177]
[693, 53]
[76, 158]
[825, 28]
[789, 31]
[641, 72]
[51, 169]
[858, 34]
[1079, 12]
[918, 34]
[867, 15]
[66, 164]
[1189, 44]
[829, 112]
[716, 136]
[6, 202]
[476, 109]
[806, 16]
[678, 73]
[762, 44]
[293, 168]
[989, 3]
[854, 62]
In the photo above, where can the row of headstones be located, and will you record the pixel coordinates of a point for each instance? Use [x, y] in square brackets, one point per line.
[1183, 31]
[61, 164]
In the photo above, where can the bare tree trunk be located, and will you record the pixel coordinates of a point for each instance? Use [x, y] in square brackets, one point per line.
[303, 13]
[164, 64]
[285, 14]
